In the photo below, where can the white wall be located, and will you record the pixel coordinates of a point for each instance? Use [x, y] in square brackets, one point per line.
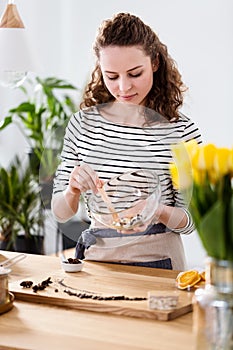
[198, 34]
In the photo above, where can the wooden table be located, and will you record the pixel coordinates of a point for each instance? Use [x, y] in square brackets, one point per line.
[32, 325]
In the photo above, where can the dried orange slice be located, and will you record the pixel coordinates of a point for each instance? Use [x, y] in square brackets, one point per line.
[202, 274]
[187, 279]
[199, 284]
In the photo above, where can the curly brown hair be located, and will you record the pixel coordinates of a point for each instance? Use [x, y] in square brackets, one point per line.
[166, 94]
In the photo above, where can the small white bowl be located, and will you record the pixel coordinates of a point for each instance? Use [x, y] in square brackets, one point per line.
[69, 267]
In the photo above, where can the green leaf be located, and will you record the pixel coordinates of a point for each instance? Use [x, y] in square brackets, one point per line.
[231, 222]
[5, 122]
[24, 107]
[212, 231]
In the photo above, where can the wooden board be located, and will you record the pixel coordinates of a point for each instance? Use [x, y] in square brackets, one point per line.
[98, 279]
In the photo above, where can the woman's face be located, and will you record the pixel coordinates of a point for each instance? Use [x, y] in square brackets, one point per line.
[127, 73]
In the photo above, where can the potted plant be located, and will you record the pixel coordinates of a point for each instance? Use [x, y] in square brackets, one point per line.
[204, 175]
[21, 215]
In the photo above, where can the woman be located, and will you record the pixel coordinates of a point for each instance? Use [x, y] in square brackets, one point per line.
[129, 118]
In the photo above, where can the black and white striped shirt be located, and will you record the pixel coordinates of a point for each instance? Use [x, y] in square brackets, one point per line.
[111, 149]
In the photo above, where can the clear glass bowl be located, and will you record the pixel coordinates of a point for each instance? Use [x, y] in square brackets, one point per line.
[127, 200]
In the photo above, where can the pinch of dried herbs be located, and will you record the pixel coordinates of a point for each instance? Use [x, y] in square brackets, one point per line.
[40, 286]
[26, 284]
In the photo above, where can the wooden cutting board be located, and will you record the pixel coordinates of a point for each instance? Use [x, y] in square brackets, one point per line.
[101, 280]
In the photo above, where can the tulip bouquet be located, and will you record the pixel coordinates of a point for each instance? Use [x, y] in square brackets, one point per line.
[204, 175]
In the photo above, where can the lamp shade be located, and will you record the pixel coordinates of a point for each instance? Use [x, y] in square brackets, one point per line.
[16, 54]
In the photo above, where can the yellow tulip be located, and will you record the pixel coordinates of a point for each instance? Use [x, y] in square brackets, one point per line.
[221, 161]
[231, 162]
[204, 157]
[183, 151]
[181, 176]
[199, 176]
[191, 147]
[174, 174]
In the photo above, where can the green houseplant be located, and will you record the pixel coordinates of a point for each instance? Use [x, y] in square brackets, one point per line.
[42, 118]
[21, 217]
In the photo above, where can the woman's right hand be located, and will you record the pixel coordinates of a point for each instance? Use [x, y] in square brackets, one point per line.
[83, 178]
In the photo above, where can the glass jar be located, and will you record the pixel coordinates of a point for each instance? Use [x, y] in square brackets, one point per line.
[4, 294]
[213, 306]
